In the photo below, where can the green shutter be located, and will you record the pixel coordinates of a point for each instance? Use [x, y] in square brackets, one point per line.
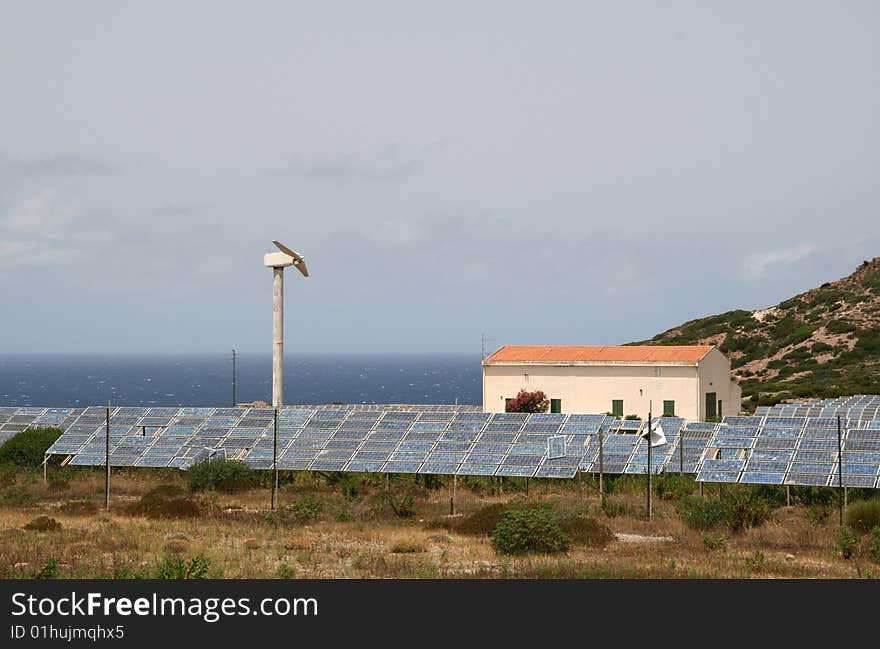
[617, 407]
[711, 403]
[669, 408]
[555, 405]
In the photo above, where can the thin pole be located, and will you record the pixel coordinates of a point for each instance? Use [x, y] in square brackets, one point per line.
[454, 475]
[107, 463]
[788, 495]
[842, 491]
[601, 470]
[527, 487]
[45, 468]
[233, 378]
[278, 337]
[454, 491]
[275, 460]
[649, 461]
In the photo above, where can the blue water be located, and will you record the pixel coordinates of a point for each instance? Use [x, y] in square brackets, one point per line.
[206, 379]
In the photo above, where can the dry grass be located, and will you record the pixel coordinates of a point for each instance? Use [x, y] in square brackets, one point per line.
[360, 537]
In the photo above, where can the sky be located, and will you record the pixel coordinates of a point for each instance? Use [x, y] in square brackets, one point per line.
[537, 173]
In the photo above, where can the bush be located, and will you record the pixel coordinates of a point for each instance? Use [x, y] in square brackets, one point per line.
[863, 515]
[28, 448]
[671, 486]
[523, 531]
[737, 511]
[49, 569]
[304, 510]
[483, 521]
[165, 501]
[847, 543]
[228, 476]
[745, 509]
[874, 545]
[404, 507]
[702, 514]
[18, 496]
[586, 531]
[713, 542]
[78, 508]
[177, 568]
[43, 524]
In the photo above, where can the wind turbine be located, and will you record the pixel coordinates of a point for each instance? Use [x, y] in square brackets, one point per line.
[278, 261]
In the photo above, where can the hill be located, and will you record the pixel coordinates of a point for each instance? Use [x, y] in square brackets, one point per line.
[822, 343]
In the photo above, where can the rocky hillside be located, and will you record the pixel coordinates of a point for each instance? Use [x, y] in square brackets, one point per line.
[822, 343]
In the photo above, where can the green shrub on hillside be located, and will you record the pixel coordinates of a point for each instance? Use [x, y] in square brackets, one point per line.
[28, 448]
[863, 515]
[227, 476]
[526, 531]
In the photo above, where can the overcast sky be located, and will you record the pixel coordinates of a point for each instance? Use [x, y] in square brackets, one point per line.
[546, 173]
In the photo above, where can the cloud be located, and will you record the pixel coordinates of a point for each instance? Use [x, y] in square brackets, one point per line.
[55, 166]
[391, 164]
[46, 230]
[758, 265]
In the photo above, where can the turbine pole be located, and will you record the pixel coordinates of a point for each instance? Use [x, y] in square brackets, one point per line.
[278, 337]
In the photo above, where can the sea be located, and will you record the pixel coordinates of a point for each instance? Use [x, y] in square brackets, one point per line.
[72, 380]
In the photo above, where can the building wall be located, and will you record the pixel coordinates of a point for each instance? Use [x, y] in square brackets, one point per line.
[715, 377]
[591, 388]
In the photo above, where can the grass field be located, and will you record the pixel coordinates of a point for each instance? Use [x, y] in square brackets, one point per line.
[347, 527]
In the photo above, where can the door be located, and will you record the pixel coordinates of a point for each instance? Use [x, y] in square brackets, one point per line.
[711, 409]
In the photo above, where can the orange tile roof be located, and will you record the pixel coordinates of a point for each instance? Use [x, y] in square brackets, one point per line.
[599, 353]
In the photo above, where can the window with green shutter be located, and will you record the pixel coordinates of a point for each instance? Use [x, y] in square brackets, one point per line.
[555, 405]
[669, 408]
[617, 407]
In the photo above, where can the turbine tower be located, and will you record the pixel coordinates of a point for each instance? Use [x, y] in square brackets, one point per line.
[278, 261]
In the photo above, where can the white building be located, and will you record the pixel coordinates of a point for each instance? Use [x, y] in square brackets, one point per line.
[687, 381]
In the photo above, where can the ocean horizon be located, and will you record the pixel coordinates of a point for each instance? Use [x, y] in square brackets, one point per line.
[205, 379]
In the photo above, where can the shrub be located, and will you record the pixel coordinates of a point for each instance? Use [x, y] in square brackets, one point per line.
[755, 562]
[43, 524]
[522, 531]
[847, 543]
[586, 531]
[49, 569]
[177, 568]
[483, 521]
[737, 511]
[407, 547]
[403, 507]
[874, 545]
[286, 572]
[78, 508]
[702, 514]
[614, 509]
[165, 501]
[713, 542]
[745, 509]
[18, 496]
[228, 476]
[671, 486]
[304, 510]
[863, 515]
[28, 448]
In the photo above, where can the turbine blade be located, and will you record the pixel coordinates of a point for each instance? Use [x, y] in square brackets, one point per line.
[285, 249]
[301, 267]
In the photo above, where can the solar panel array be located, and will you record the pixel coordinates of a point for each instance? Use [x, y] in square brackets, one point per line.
[760, 449]
[769, 449]
[442, 440]
[439, 441]
[861, 407]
